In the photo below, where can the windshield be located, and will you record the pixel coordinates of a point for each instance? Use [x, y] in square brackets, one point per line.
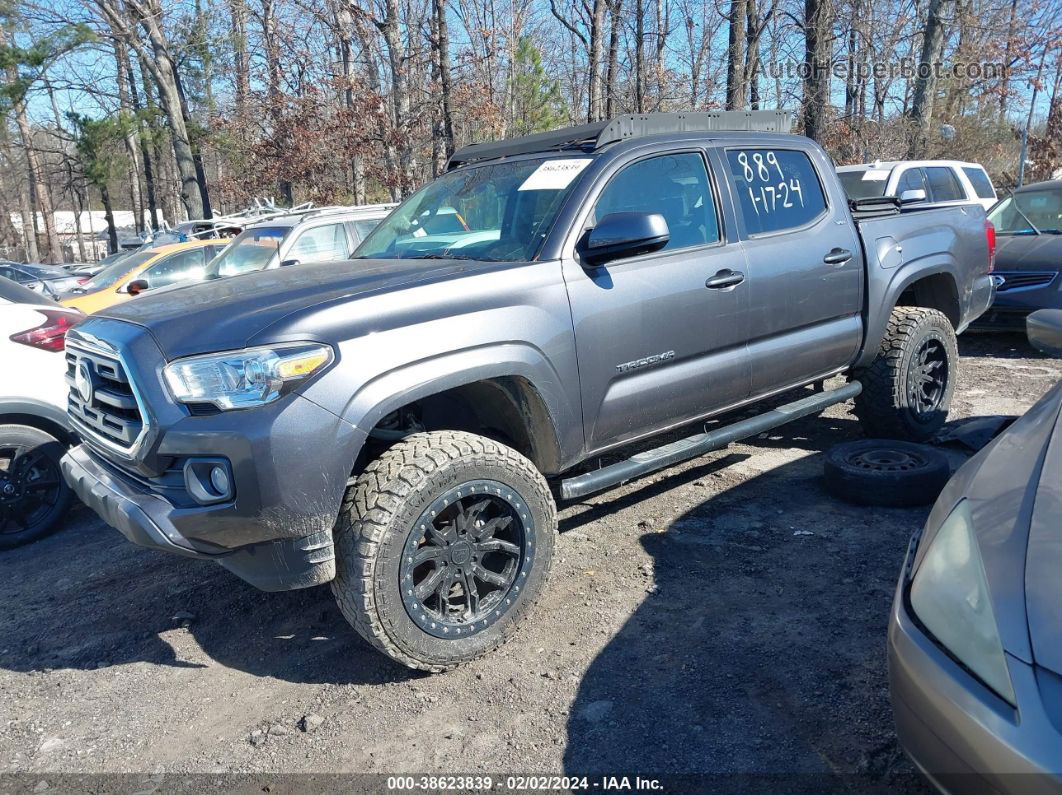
[115, 271]
[1028, 213]
[866, 183]
[499, 212]
[251, 250]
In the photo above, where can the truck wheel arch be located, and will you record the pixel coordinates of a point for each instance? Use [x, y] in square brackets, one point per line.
[505, 400]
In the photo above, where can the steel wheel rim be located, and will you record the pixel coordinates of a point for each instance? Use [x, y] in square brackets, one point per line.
[886, 459]
[927, 378]
[466, 559]
[30, 487]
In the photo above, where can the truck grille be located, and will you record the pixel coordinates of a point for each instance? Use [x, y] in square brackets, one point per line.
[102, 403]
[1024, 280]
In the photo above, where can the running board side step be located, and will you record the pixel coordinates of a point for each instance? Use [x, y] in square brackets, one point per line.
[692, 446]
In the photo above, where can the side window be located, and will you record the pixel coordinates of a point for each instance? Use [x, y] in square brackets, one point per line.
[320, 244]
[982, 185]
[676, 186]
[912, 179]
[778, 188]
[183, 266]
[943, 183]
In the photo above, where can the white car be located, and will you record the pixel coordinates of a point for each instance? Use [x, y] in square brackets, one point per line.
[920, 181]
[34, 433]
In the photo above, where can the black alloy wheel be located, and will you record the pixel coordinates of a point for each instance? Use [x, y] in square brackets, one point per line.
[463, 562]
[33, 494]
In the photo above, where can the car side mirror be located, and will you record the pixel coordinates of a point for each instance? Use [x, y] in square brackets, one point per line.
[1044, 328]
[287, 263]
[912, 196]
[137, 286]
[625, 235]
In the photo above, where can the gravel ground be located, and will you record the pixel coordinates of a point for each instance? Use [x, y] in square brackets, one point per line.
[725, 616]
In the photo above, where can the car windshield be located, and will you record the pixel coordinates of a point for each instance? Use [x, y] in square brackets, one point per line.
[251, 250]
[498, 212]
[1029, 212]
[866, 183]
[116, 270]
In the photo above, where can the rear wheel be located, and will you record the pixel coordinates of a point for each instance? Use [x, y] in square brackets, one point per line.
[907, 389]
[33, 494]
[442, 546]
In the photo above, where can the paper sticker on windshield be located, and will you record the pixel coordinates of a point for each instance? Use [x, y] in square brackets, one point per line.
[875, 174]
[555, 174]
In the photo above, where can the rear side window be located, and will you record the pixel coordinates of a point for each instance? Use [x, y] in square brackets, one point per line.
[320, 244]
[912, 179]
[982, 185]
[778, 188]
[676, 186]
[865, 183]
[944, 184]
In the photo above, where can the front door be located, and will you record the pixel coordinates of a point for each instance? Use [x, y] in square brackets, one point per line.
[660, 337]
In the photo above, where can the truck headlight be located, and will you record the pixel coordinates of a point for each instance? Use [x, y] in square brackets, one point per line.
[242, 379]
[950, 596]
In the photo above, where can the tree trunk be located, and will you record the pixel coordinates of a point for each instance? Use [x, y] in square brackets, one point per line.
[735, 58]
[818, 22]
[442, 31]
[29, 225]
[132, 148]
[197, 153]
[241, 60]
[148, 14]
[145, 153]
[400, 98]
[639, 56]
[925, 87]
[108, 213]
[612, 75]
[752, 55]
[596, 108]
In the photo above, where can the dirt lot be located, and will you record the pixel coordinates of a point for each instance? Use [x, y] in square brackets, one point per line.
[725, 616]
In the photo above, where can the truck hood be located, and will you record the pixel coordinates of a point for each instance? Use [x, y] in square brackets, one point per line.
[1029, 252]
[226, 314]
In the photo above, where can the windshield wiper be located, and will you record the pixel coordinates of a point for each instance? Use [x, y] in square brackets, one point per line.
[443, 256]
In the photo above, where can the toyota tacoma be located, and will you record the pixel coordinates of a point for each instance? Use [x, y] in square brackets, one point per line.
[400, 424]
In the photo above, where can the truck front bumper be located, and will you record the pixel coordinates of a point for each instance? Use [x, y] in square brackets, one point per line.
[146, 519]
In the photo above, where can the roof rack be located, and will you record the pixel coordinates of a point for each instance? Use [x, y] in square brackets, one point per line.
[592, 137]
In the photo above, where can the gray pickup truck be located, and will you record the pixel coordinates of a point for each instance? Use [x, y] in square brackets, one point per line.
[400, 424]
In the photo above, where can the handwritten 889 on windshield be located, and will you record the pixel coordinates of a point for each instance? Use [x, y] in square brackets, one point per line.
[523, 784]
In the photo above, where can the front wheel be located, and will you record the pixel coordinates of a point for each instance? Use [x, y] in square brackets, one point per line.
[908, 387]
[442, 546]
[33, 494]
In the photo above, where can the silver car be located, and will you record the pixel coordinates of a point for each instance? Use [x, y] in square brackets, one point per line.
[975, 635]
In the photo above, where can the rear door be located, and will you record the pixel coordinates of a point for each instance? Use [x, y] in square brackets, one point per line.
[804, 262]
[657, 344]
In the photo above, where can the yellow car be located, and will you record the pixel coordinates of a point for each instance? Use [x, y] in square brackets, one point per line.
[157, 267]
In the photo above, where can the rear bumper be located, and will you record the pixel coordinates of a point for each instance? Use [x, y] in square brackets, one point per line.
[148, 520]
[961, 735]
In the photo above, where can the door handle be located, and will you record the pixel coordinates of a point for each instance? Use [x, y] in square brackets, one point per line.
[723, 279]
[837, 256]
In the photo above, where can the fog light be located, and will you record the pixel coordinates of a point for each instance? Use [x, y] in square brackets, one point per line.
[219, 479]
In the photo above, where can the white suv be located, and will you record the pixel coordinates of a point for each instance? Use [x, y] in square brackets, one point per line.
[920, 181]
[34, 433]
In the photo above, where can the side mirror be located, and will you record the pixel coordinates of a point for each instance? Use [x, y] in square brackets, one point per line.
[626, 235]
[1044, 328]
[912, 196]
[137, 286]
[287, 263]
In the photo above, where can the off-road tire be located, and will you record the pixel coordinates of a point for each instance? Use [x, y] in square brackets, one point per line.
[885, 407]
[379, 512]
[35, 442]
[885, 472]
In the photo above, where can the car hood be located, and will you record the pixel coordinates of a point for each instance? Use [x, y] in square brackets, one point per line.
[1013, 490]
[1043, 569]
[1029, 252]
[230, 313]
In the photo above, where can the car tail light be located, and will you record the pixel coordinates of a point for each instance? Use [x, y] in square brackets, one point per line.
[51, 334]
[83, 279]
[990, 236]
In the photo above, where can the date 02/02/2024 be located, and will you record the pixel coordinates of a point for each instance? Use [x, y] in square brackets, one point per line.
[522, 783]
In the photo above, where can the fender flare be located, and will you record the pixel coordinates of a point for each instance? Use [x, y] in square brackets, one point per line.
[30, 407]
[407, 383]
